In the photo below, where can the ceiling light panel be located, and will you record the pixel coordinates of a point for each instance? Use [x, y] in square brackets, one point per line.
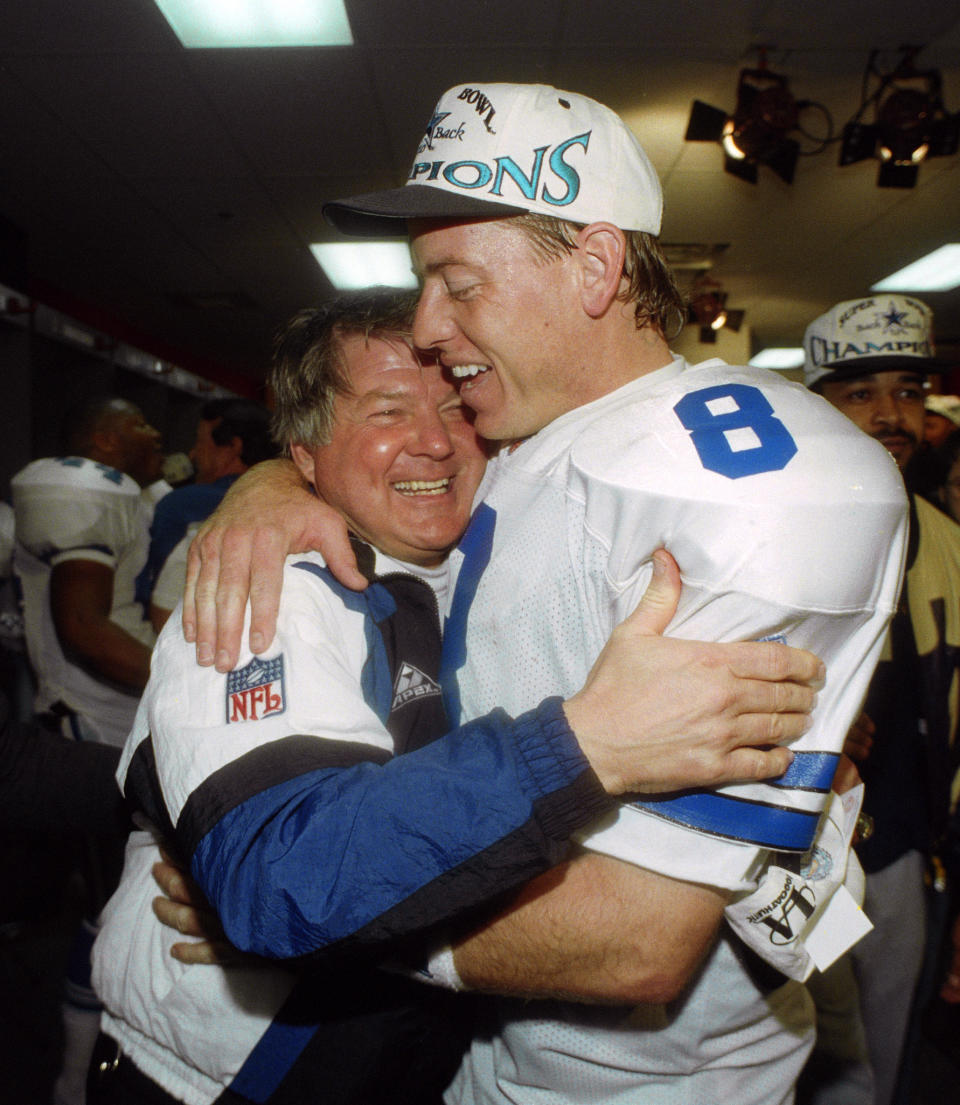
[350, 265]
[217, 24]
[937, 272]
[778, 358]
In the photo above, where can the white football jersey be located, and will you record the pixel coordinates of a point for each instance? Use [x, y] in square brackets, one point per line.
[787, 523]
[72, 508]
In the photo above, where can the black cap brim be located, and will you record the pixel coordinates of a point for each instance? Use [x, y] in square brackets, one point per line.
[868, 366]
[385, 213]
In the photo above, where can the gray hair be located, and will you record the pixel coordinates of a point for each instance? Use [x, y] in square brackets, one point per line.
[308, 370]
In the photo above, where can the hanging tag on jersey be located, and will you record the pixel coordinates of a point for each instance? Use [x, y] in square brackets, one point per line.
[803, 917]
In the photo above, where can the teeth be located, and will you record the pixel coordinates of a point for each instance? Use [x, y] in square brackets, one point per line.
[461, 371]
[419, 487]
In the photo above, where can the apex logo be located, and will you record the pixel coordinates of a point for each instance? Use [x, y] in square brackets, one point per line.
[411, 683]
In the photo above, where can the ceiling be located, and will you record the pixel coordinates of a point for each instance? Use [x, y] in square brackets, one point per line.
[173, 194]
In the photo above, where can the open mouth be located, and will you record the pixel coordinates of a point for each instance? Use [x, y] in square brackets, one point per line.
[466, 371]
[423, 487]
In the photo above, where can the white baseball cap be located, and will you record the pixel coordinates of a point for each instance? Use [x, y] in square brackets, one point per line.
[948, 406]
[861, 336]
[494, 150]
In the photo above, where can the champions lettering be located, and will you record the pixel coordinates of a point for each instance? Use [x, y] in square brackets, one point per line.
[824, 352]
[549, 177]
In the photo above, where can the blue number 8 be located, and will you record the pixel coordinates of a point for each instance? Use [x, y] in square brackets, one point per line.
[770, 447]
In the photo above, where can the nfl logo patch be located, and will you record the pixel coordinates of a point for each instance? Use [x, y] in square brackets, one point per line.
[256, 691]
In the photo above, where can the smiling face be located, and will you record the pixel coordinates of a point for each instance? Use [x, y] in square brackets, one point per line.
[505, 321]
[886, 405]
[403, 463]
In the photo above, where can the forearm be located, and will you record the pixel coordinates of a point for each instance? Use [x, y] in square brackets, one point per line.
[352, 858]
[104, 648]
[81, 599]
[593, 929]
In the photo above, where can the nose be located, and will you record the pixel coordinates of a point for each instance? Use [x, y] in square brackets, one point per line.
[431, 324]
[430, 437]
[887, 410]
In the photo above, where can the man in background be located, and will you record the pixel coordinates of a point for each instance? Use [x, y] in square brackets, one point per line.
[232, 434]
[82, 532]
[870, 358]
[941, 417]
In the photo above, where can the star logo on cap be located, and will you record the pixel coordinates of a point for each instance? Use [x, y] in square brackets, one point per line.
[437, 118]
[893, 318]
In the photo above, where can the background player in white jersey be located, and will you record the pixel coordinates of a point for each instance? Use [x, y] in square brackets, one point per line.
[82, 526]
[82, 540]
[532, 226]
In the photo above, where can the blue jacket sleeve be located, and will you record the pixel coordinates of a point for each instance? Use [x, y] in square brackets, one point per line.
[305, 853]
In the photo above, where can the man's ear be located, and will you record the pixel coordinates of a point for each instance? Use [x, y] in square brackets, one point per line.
[302, 457]
[601, 251]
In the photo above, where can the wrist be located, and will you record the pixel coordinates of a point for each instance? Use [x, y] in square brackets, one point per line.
[581, 717]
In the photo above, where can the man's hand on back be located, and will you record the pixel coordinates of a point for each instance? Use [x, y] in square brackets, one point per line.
[659, 713]
[239, 553]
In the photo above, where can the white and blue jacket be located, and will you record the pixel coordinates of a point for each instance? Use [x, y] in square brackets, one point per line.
[322, 848]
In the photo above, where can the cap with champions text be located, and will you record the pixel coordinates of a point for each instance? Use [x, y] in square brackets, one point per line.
[861, 336]
[503, 149]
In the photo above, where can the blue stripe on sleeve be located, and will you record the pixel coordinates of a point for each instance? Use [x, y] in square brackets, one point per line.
[782, 830]
[809, 771]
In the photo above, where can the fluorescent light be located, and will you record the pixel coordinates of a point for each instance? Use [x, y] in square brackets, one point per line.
[778, 358]
[232, 23]
[937, 272]
[364, 264]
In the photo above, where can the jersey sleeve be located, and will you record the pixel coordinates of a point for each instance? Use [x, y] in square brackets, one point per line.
[788, 526]
[279, 785]
[72, 508]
